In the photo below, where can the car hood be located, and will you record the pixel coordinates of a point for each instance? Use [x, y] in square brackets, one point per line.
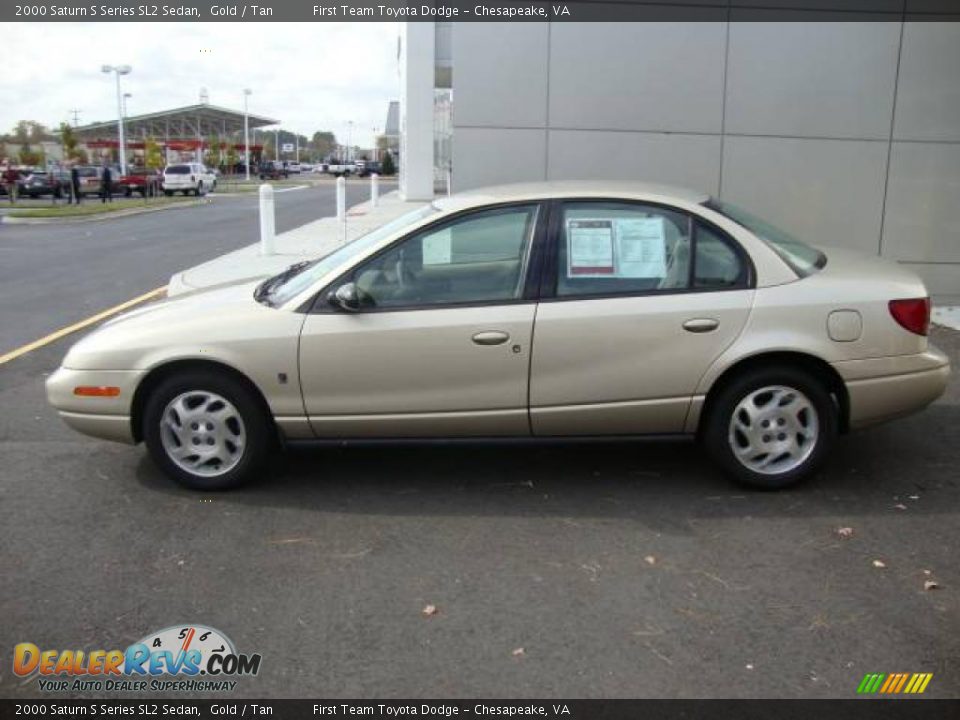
[194, 325]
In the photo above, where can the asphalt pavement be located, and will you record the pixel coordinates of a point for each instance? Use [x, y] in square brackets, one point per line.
[606, 570]
[55, 275]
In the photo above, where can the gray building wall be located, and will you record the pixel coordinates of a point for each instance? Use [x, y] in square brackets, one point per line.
[844, 133]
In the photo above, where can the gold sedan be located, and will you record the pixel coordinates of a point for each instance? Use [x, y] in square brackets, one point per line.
[553, 310]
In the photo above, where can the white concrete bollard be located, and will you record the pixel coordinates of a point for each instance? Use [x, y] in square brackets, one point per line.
[374, 189]
[268, 225]
[342, 208]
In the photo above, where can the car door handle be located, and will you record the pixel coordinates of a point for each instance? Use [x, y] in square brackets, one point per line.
[701, 325]
[491, 337]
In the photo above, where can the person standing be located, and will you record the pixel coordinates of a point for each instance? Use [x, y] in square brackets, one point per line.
[105, 180]
[10, 179]
[74, 184]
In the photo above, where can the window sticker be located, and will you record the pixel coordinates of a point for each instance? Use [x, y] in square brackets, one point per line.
[590, 248]
[437, 248]
[641, 248]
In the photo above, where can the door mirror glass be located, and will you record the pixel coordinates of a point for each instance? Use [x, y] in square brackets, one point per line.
[346, 297]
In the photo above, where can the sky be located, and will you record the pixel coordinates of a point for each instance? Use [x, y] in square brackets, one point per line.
[309, 76]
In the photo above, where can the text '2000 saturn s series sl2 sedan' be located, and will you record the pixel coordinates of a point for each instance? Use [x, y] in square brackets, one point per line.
[555, 310]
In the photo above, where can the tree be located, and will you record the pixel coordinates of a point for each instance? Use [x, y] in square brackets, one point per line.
[388, 166]
[152, 154]
[30, 157]
[212, 157]
[323, 144]
[69, 141]
[232, 157]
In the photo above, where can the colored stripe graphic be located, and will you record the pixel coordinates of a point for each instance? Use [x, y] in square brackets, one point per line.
[894, 683]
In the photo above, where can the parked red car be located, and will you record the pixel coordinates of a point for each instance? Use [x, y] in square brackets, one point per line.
[141, 180]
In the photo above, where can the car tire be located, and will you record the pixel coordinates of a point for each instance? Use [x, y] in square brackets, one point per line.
[771, 428]
[217, 415]
[168, 193]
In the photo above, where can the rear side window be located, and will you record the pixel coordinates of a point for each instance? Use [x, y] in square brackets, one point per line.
[621, 248]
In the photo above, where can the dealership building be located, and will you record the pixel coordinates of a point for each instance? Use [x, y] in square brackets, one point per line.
[843, 133]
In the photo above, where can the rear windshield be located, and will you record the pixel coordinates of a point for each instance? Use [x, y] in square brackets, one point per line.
[87, 172]
[801, 258]
[178, 170]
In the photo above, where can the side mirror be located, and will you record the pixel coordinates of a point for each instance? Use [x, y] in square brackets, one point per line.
[345, 297]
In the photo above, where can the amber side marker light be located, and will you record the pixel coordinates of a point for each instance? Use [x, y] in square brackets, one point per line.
[96, 391]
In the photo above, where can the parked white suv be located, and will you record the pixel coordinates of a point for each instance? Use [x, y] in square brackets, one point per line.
[188, 178]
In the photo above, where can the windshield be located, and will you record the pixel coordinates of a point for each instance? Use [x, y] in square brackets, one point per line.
[318, 268]
[801, 258]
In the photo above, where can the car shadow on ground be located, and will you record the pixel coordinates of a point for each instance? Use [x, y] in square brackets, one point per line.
[664, 485]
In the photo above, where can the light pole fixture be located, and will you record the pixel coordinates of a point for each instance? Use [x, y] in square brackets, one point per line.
[119, 70]
[246, 130]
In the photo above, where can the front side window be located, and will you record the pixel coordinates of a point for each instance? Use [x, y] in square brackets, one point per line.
[614, 248]
[479, 258]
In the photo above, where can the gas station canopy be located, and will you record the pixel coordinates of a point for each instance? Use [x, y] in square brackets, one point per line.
[192, 123]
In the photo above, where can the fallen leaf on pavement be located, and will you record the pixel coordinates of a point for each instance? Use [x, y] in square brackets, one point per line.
[430, 610]
[518, 652]
[930, 585]
[650, 560]
[879, 564]
[845, 532]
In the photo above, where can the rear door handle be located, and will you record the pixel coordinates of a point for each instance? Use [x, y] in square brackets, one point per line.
[491, 337]
[701, 325]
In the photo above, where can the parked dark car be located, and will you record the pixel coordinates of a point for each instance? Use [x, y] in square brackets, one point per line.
[45, 182]
[272, 170]
[369, 168]
[141, 180]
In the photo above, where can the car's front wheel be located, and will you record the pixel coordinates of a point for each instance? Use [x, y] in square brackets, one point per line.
[771, 428]
[206, 431]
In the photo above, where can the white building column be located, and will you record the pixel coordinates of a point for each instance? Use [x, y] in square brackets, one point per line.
[416, 110]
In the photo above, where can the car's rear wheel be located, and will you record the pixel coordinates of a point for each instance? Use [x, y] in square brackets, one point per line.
[168, 193]
[771, 428]
[206, 431]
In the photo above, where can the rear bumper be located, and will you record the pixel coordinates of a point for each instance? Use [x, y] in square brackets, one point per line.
[882, 389]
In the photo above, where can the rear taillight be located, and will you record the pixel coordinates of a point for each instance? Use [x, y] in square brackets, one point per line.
[912, 314]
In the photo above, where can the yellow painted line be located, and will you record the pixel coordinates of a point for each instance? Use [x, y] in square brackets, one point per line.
[926, 681]
[93, 319]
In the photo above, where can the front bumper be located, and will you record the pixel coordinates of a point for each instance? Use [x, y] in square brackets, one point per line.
[882, 389]
[108, 418]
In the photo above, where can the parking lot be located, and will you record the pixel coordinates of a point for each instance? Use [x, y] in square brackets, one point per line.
[602, 570]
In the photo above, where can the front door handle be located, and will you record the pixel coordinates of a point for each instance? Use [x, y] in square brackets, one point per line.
[491, 337]
[701, 325]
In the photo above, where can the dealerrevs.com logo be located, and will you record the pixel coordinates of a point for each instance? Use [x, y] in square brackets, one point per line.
[187, 658]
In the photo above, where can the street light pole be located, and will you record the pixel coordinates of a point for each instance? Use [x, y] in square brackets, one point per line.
[349, 139]
[119, 70]
[246, 131]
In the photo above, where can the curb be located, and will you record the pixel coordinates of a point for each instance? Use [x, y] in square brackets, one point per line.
[100, 217]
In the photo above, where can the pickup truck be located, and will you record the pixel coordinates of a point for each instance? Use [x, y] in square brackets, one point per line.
[141, 180]
[338, 168]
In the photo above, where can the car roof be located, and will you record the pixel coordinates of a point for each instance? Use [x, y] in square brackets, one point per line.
[566, 189]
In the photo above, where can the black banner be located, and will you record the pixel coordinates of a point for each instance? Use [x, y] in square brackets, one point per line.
[475, 10]
[854, 709]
